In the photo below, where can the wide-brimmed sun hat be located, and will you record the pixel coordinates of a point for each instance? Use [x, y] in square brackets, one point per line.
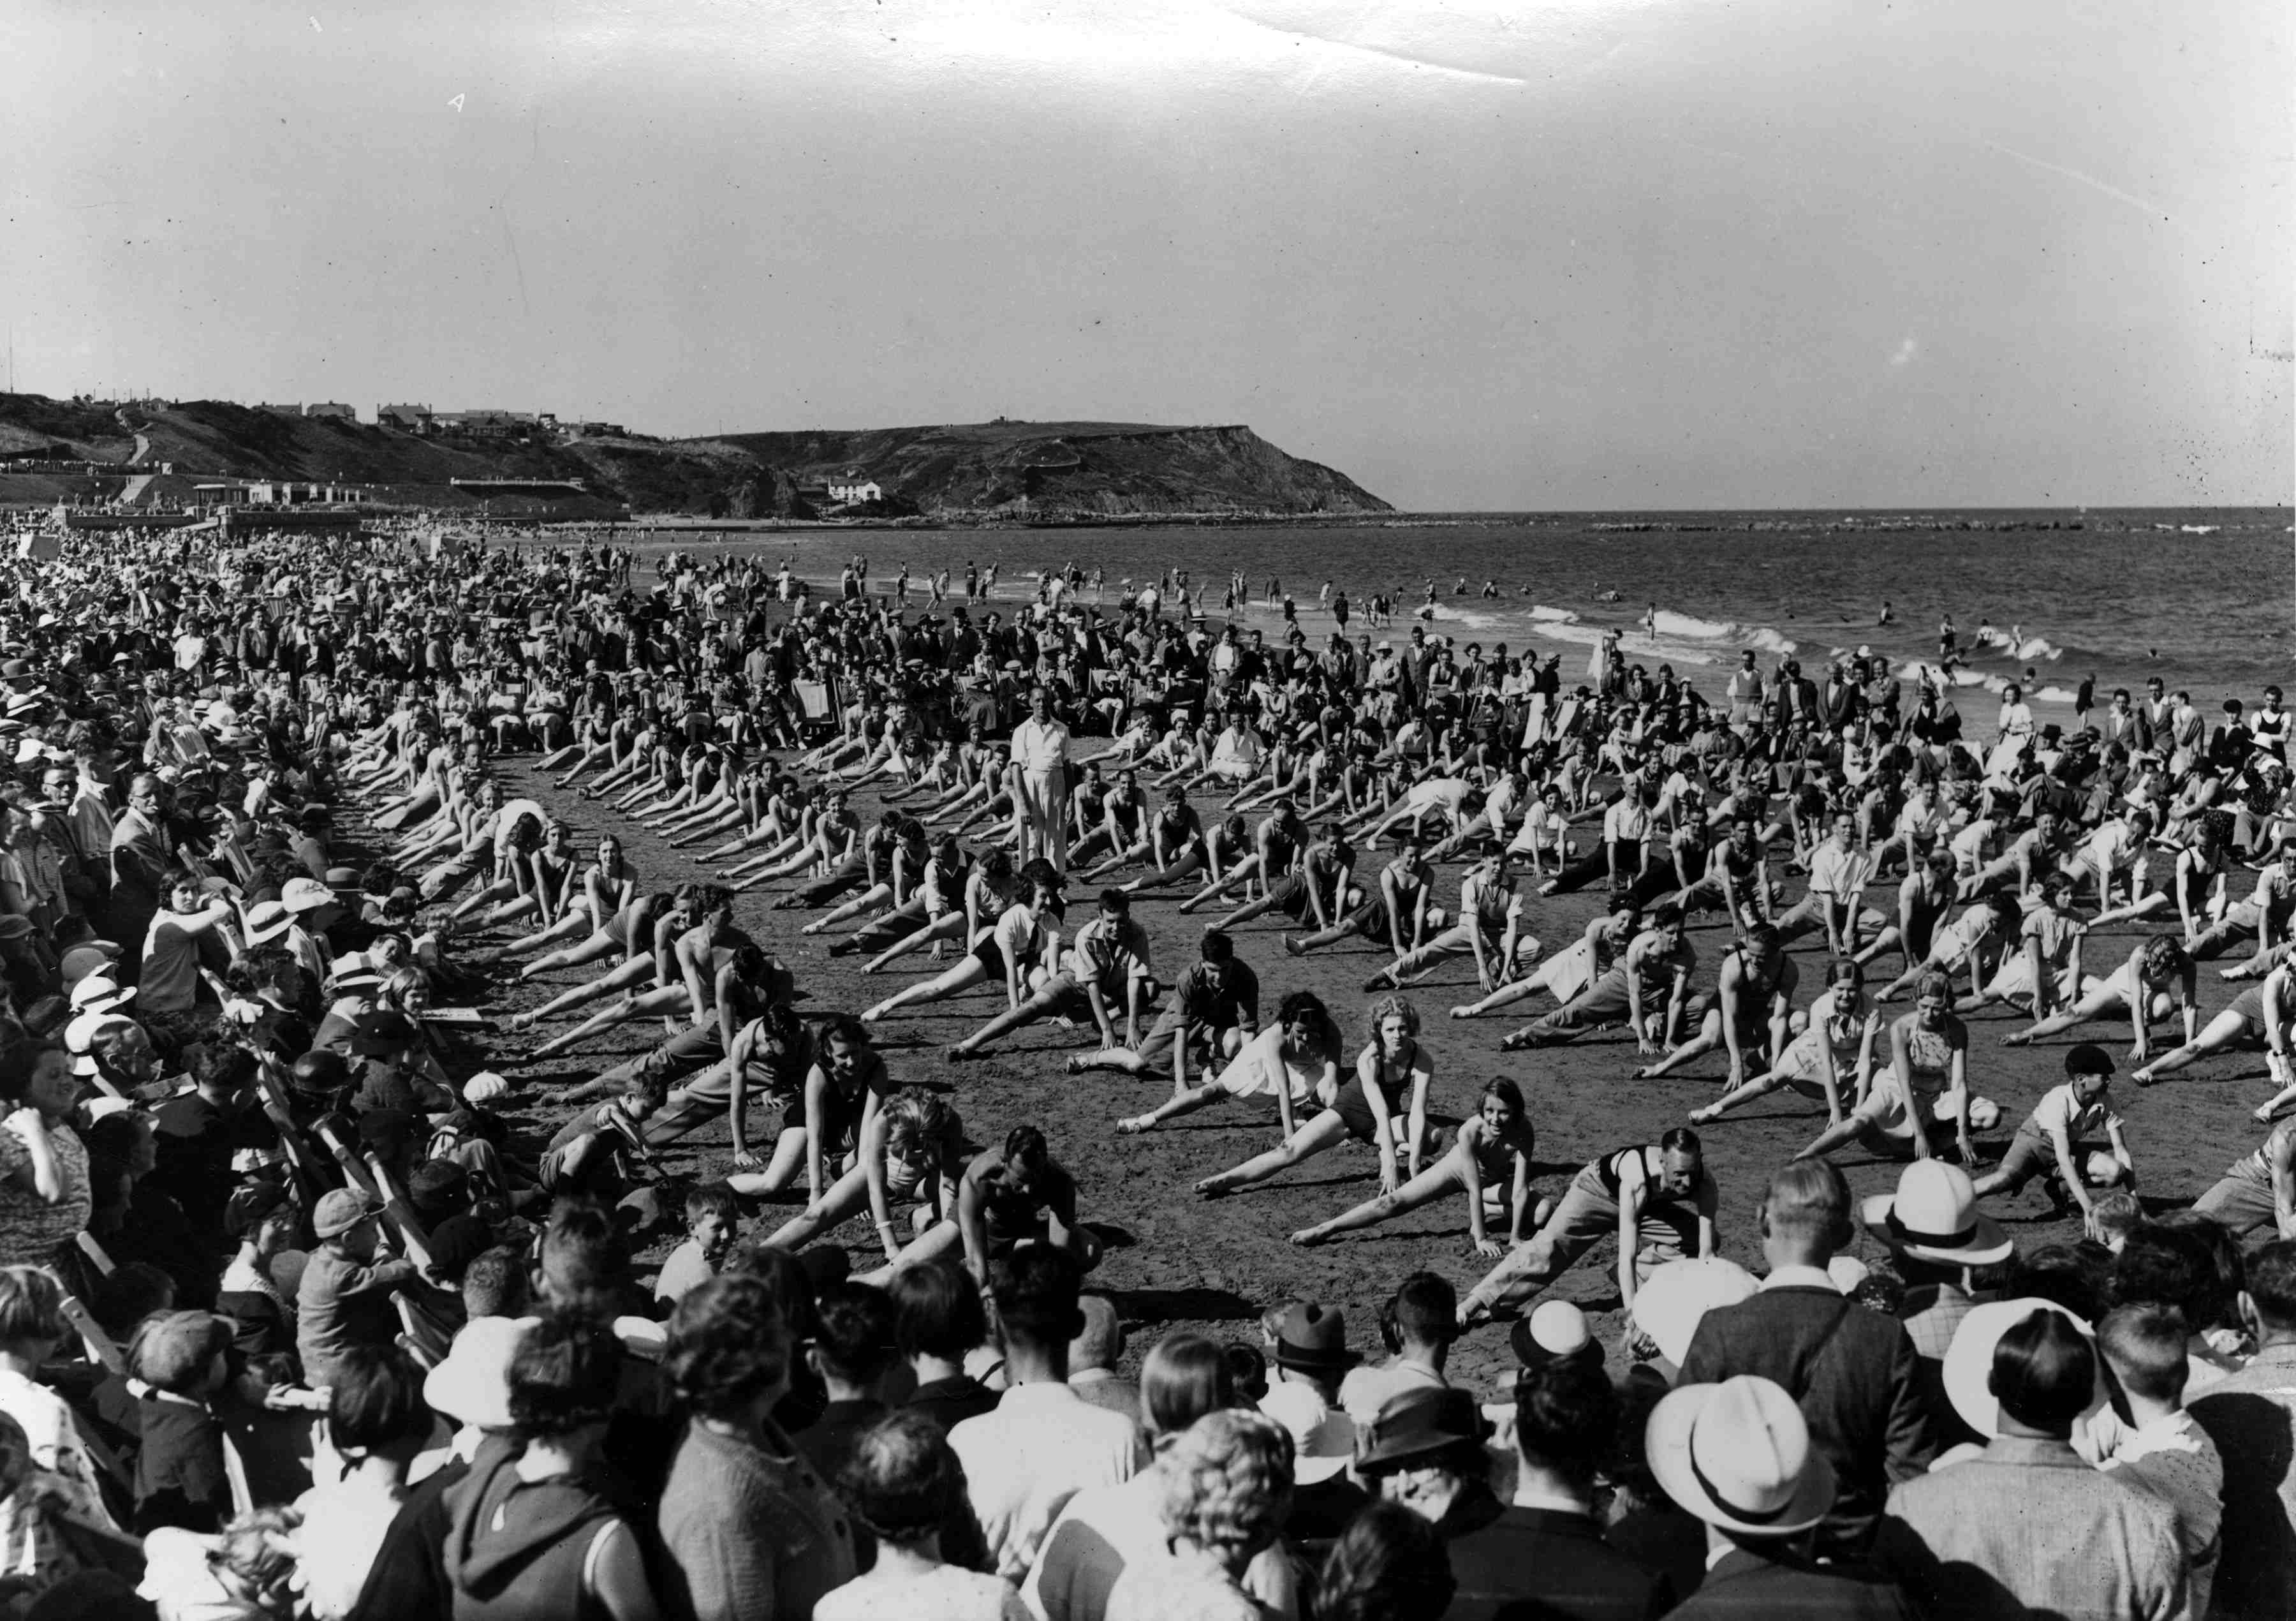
[1737, 1455]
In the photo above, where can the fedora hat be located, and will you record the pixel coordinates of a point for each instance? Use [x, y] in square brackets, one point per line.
[1418, 1423]
[305, 896]
[1933, 1216]
[1312, 1339]
[1737, 1455]
[1676, 1296]
[1969, 1360]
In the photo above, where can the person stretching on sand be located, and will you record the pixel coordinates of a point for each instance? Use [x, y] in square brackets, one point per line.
[1488, 1161]
[1658, 1199]
[1392, 1063]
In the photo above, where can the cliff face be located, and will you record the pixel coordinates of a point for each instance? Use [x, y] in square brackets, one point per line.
[1009, 469]
[1083, 469]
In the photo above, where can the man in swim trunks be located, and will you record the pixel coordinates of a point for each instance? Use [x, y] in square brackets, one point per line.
[1658, 1199]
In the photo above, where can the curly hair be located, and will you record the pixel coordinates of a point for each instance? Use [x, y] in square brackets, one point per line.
[729, 1341]
[1394, 1004]
[1228, 1481]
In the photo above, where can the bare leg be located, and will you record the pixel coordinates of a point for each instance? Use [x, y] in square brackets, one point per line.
[1325, 1130]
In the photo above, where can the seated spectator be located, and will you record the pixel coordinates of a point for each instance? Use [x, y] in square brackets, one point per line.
[905, 1484]
[533, 1531]
[1419, 1323]
[376, 1422]
[748, 1528]
[713, 1221]
[1042, 1445]
[1738, 1456]
[1093, 1356]
[345, 1297]
[1224, 1484]
[1104, 1529]
[938, 1321]
[179, 1361]
[2251, 1417]
[1425, 1451]
[2164, 1449]
[1389, 1565]
[2027, 1524]
[1545, 1551]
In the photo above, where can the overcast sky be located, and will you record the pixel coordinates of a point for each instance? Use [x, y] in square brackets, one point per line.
[1558, 254]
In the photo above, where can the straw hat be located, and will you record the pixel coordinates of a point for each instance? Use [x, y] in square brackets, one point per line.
[268, 921]
[1676, 1296]
[1737, 1455]
[1933, 1216]
[1969, 1360]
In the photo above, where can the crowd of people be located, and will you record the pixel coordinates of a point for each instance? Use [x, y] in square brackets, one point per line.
[314, 1303]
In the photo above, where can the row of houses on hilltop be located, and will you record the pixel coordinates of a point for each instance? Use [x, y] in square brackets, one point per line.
[484, 424]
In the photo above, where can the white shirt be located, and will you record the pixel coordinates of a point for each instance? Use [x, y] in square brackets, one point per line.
[1365, 1390]
[1040, 746]
[1022, 1463]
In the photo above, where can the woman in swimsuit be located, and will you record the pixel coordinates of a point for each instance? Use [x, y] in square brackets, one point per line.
[2157, 979]
[1008, 952]
[1294, 1060]
[1488, 1161]
[1836, 1037]
[2260, 1015]
[1927, 1082]
[1365, 1108]
[911, 1151]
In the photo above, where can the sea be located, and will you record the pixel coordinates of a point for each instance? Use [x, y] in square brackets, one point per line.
[2203, 598]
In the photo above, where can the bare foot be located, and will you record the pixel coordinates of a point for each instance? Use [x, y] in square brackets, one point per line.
[1306, 1236]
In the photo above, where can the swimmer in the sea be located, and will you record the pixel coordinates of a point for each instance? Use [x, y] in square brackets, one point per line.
[1888, 613]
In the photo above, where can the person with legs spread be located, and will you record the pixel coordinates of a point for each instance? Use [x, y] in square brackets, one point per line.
[1835, 1039]
[1490, 926]
[2264, 915]
[2256, 1193]
[848, 1084]
[1747, 1013]
[1397, 916]
[1011, 1197]
[1488, 1160]
[2158, 978]
[1658, 1199]
[1927, 1082]
[2262, 1015]
[1294, 1060]
[1647, 989]
[1012, 950]
[911, 1152]
[2058, 1140]
[1107, 962]
[1365, 1108]
[1839, 872]
[2044, 971]
[1312, 893]
[1214, 1010]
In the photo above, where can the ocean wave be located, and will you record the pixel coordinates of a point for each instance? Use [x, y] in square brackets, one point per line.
[1554, 616]
[1671, 623]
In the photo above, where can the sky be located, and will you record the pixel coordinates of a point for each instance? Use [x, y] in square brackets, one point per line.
[1561, 255]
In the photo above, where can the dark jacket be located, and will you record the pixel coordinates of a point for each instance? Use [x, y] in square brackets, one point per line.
[1748, 1584]
[1553, 1565]
[1853, 1371]
[407, 1581]
[516, 1549]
